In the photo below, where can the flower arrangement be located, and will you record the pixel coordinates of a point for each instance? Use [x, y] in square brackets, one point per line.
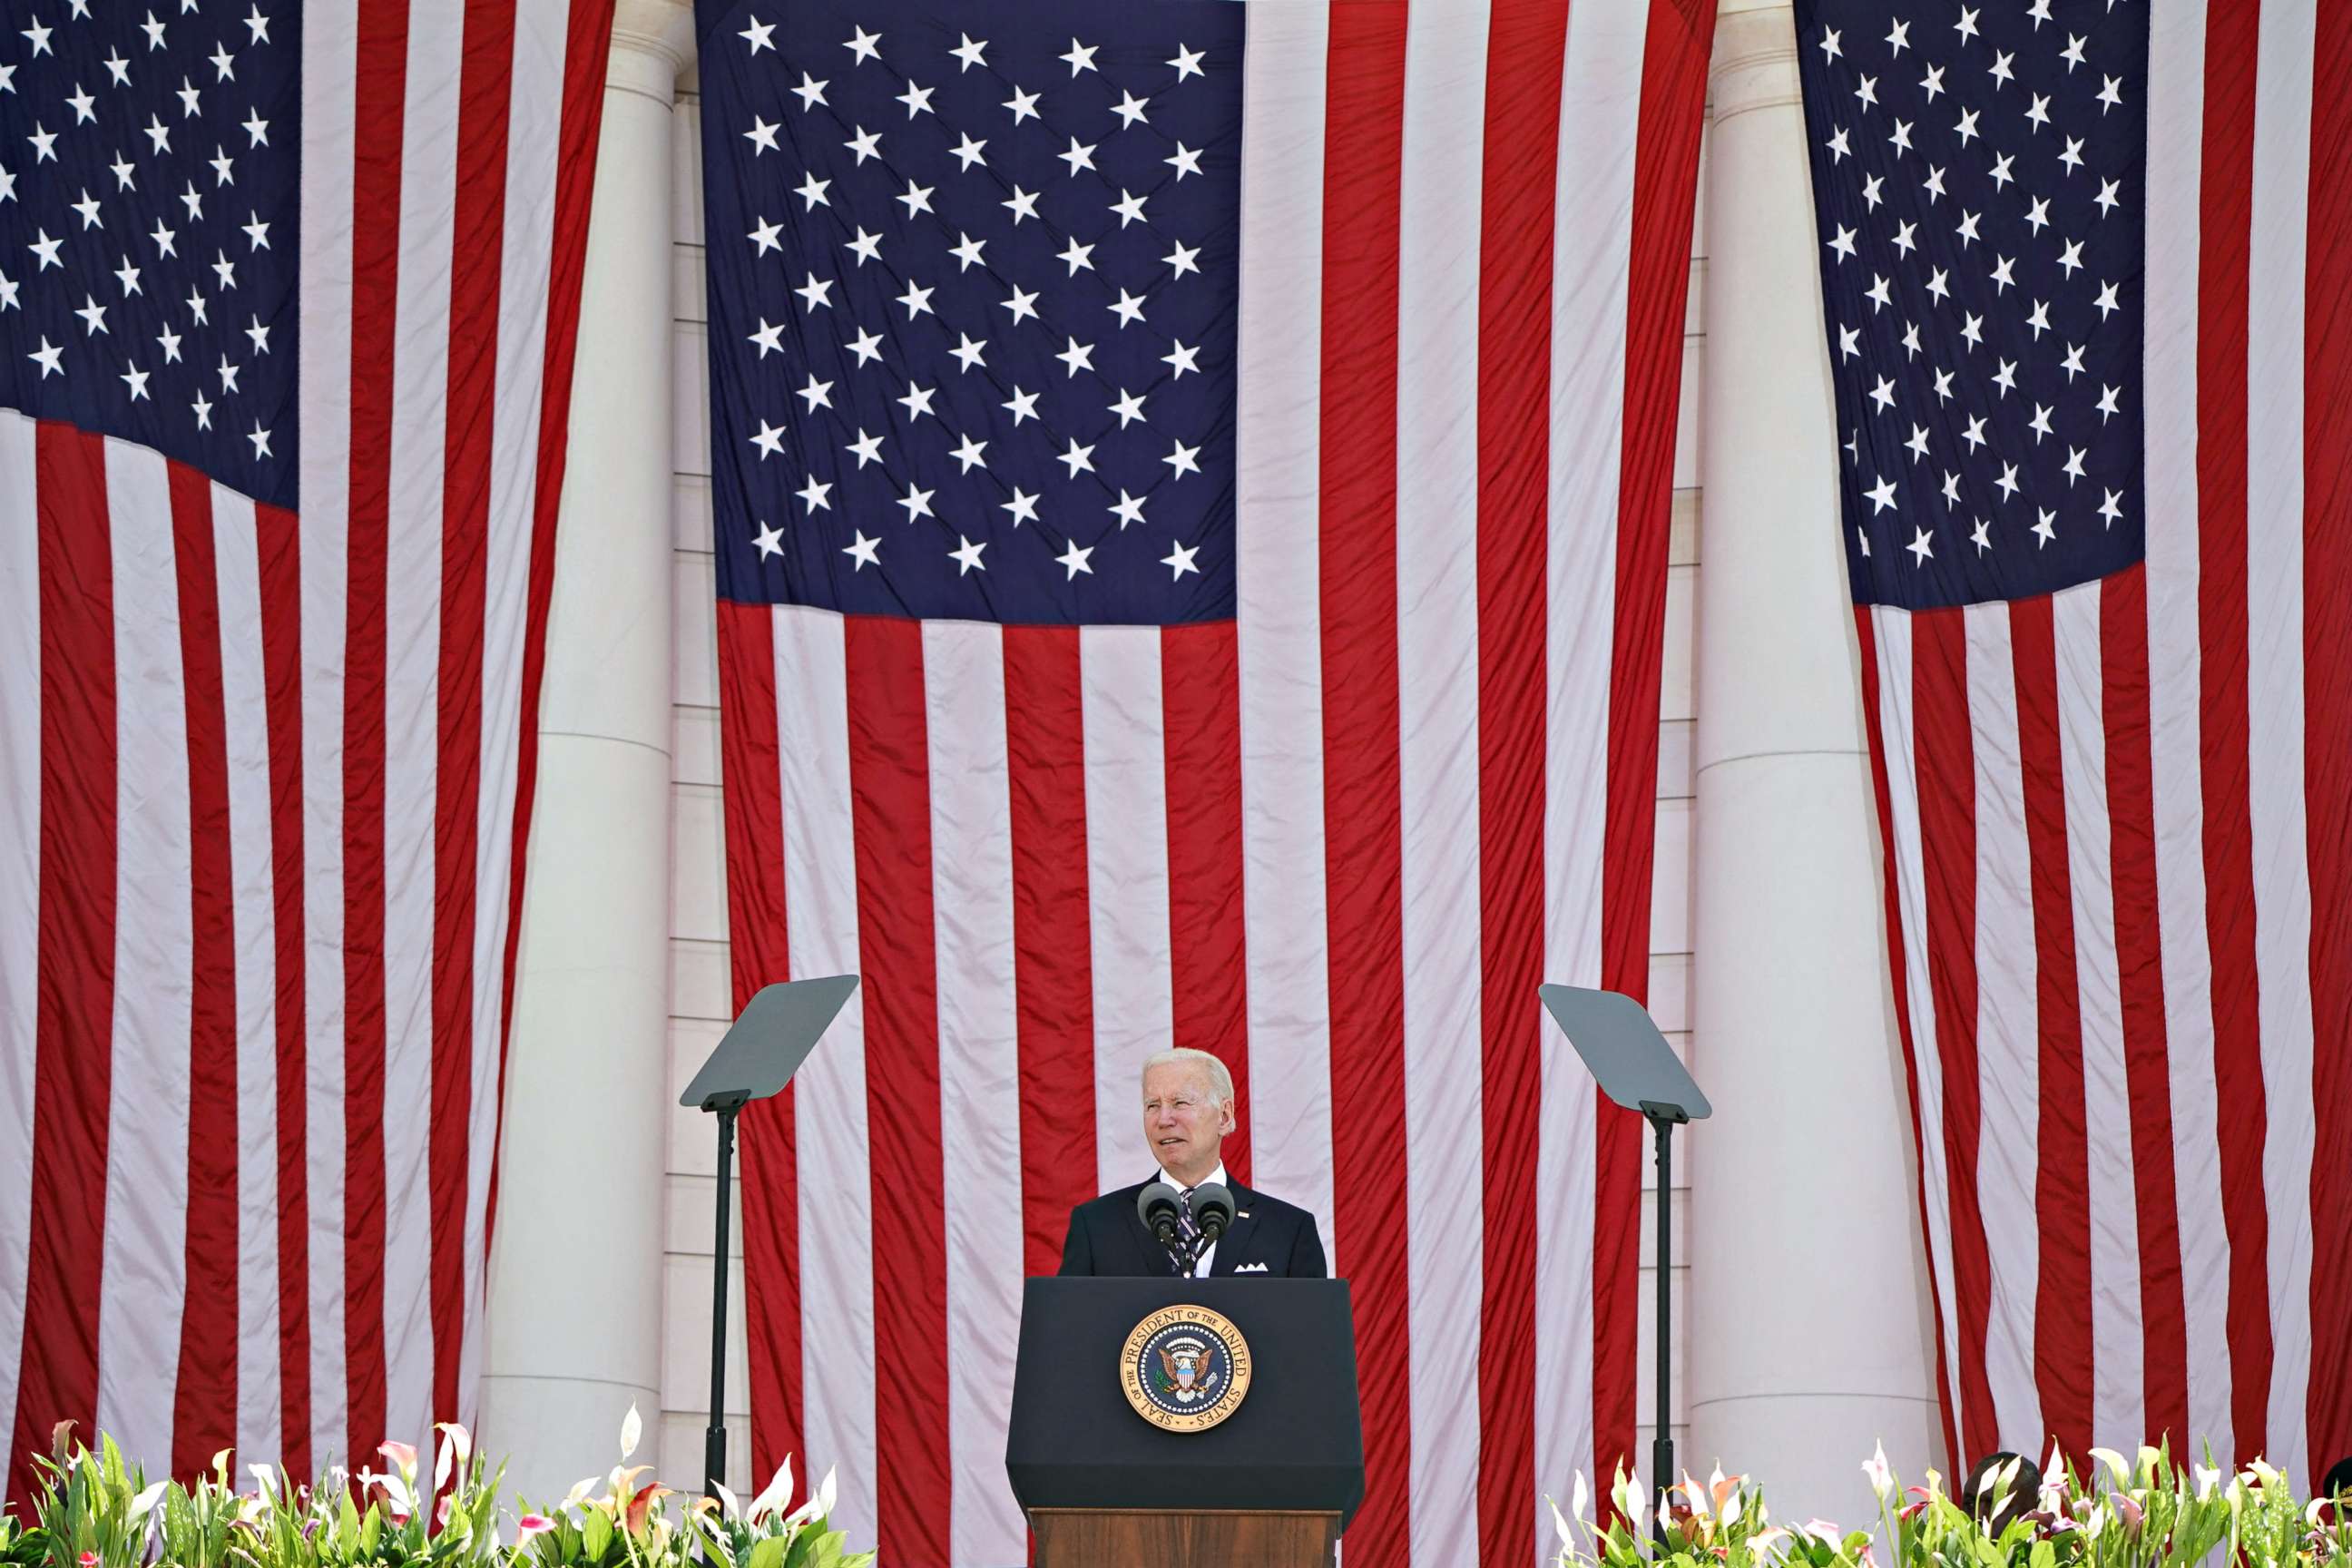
[2148, 1511]
[97, 1510]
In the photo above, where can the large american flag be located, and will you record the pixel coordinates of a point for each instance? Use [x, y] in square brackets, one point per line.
[2084, 268]
[287, 306]
[1191, 498]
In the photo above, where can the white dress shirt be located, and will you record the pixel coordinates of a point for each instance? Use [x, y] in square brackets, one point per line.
[1208, 1253]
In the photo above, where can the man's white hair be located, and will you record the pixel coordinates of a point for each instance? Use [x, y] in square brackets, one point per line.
[1221, 1081]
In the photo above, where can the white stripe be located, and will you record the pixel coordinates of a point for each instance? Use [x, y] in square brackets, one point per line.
[1276, 482]
[245, 708]
[1437, 759]
[2118, 1366]
[2176, 119]
[328, 54]
[143, 1286]
[533, 132]
[1893, 629]
[1126, 879]
[2009, 1056]
[1592, 239]
[2274, 611]
[413, 569]
[971, 911]
[836, 1192]
[20, 892]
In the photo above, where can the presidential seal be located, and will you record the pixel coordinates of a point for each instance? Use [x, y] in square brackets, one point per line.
[1185, 1369]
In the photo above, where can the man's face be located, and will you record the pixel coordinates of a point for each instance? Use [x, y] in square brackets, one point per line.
[1183, 1123]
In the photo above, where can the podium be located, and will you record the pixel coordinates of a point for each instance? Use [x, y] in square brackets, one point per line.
[1271, 1485]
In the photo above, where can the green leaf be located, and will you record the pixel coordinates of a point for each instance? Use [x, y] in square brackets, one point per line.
[769, 1552]
[596, 1535]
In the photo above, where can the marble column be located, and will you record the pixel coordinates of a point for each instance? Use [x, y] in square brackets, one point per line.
[575, 1305]
[1810, 1329]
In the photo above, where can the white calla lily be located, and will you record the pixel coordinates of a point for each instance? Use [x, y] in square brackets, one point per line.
[633, 1427]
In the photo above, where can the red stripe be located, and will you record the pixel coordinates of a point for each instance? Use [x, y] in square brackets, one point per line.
[1200, 692]
[1362, 804]
[2241, 1124]
[204, 1407]
[1944, 741]
[890, 812]
[583, 117]
[279, 544]
[379, 84]
[2139, 973]
[758, 954]
[1898, 973]
[2063, 1361]
[1053, 965]
[485, 92]
[1679, 36]
[2327, 726]
[1527, 43]
[74, 1002]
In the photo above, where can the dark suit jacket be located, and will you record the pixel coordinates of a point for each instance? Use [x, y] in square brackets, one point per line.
[1107, 1237]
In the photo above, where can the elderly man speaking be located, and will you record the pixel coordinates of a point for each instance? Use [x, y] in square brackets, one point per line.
[1188, 1108]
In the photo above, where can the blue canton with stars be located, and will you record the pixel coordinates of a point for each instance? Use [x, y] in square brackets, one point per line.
[972, 299]
[1980, 182]
[149, 178]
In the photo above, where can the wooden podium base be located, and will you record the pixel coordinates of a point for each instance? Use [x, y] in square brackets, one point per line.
[1160, 1538]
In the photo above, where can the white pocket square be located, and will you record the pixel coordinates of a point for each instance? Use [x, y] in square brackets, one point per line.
[1251, 1269]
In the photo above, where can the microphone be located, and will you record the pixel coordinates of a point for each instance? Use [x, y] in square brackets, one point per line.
[1213, 1211]
[1159, 1205]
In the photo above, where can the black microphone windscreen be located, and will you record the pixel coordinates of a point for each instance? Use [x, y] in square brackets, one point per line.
[1159, 1205]
[1212, 1209]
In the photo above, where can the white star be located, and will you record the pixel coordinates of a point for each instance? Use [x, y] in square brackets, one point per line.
[1866, 90]
[1023, 505]
[116, 67]
[2040, 423]
[866, 247]
[2001, 74]
[1024, 204]
[969, 352]
[169, 341]
[970, 52]
[1182, 259]
[1080, 156]
[1900, 38]
[1024, 105]
[1877, 293]
[1975, 435]
[1917, 445]
[865, 448]
[2043, 527]
[1182, 359]
[2040, 12]
[1128, 208]
[1982, 537]
[1870, 188]
[128, 276]
[769, 339]
[255, 232]
[1903, 241]
[918, 301]
[259, 25]
[2070, 257]
[2038, 111]
[1187, 62]
[967, 253]
[203, 412]
[93, 316]
[2106, 406]
[815, 496]
[917, 100]
[1882, 496]
[193, 201]
[89, 210]
[1181, 460]
[1968, 229]
[259, 335]
[2007, 483]
[2110, 195]
[1933, 82]
[1022, 303]
[1934, 184]
[1078, 356]
[1849, 342]
[1180, 559]
[768, 236]
[46, 249]
[1884, 394]
[918, 502]
[2001, 280]
[1129, 509]
[759, 34]
[1130, 109]
[260, 439]
[2039, 318]
[188, 96]
[1862, 537]
[1129, 309]
[918, 401]
[967, 555]
[810, 92]
[1901, 140]
[862, 44]
[1951, 489]
[2073, 364]
[867, 346]
[9, 287]
[1920, 546]
[1080, 458]
[1843, 242]
[864, 145]
[45, 144]
[2072, 156]
[863, 551]
[41, 37]
[812, 193]
[1075, 560]
[1838, 151]
[196, 307]
[1021, 406]
[972, 454]
[1910, 340]
[49, 358]
[762, 135]
[1081, 57]
[1967, 128]
[2006, 377]
[967, 152]
[2037, 214]
[1075, 255]
[2000, 175]
[770, 440]
[221, 163]
[2073, 53]
[2111, 509]
[1186, 161]
[917, 199]
[2110, 95]
[769, 540]
[1939, 286]
[1829, 44]
[83, 106]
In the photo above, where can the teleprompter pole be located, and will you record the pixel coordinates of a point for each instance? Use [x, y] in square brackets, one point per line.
[1662, 1120]
[714, 1436]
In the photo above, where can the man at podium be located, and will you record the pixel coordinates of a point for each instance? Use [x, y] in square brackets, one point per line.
[1188, 1108]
